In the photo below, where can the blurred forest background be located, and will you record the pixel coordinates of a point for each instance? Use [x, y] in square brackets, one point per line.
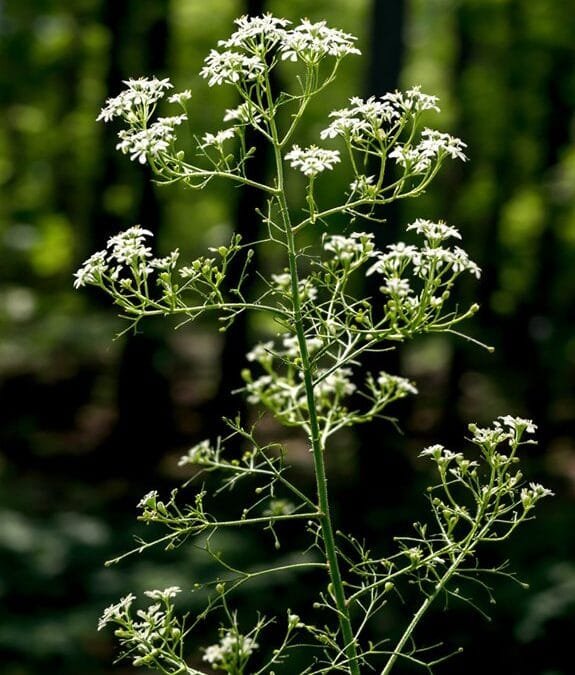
[90, 424]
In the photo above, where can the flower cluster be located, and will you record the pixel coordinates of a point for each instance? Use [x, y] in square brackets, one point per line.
[135, 106]
[284, 392]
[413, 100]
[229, 650]
[433, 147]
[395, 385]
[137, 101]
[435, 233]
[255, 32]
[218, 138]
[245, 113]
[116, 611]
[307, 42]
[378, 118]
[436, 266]
[387, 126]
[281, 283]
[141, 144]
[201, 453]
[363, 187]
[126, 261]
[415, 280]
[351, 250]
[281, 389]
[335, 385]
[532, 494]
[311, 42]
[313, 160]
[505, 429]
[153, 639]
[501, 493]
[364, 118]
[230, 67]
[180, 97]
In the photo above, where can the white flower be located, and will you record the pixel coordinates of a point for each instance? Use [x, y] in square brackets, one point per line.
[397, 287]
[531, 495]
[377, 119]
[167, 263]
[365, 118]
[282, 281]
[180, 97]
[396, 385]
[363, 186]
[148, 500]
[137, 100]
[434, 451]
[443, 457]
[461, 262]
[489, 436]
[246, 112]
[201, 453]
[307, 291]
[310, 42]
[116, 611]
[518, 424]
[92, 270]
[455, 259]
[167, 593]
[213, 654]
[410, 158]
[345, 125]
[291, 345]
[262, 353]
[141, 143]
[313, 160]
[128, 246]
[230, 67]
[337, 384]
[397, 257]
[433, 147]
[239, 645]
[170, 122]
[435, 142]
[253, 30]
[436, 231]
[259, 388]
[412, 100]
[350, 249]
[218, 138]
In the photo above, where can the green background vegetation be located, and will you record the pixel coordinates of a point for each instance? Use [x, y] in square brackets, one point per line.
[89, 424]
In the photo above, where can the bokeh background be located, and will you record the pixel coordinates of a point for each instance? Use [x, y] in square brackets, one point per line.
[90, 423]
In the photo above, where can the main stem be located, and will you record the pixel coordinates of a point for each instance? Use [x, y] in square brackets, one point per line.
[349, 648]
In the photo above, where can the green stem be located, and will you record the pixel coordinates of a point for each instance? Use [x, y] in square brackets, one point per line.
[425, 605]
[349, 646]
[416, 619]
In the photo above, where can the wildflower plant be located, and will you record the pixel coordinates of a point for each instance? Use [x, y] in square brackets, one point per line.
[309, 374]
